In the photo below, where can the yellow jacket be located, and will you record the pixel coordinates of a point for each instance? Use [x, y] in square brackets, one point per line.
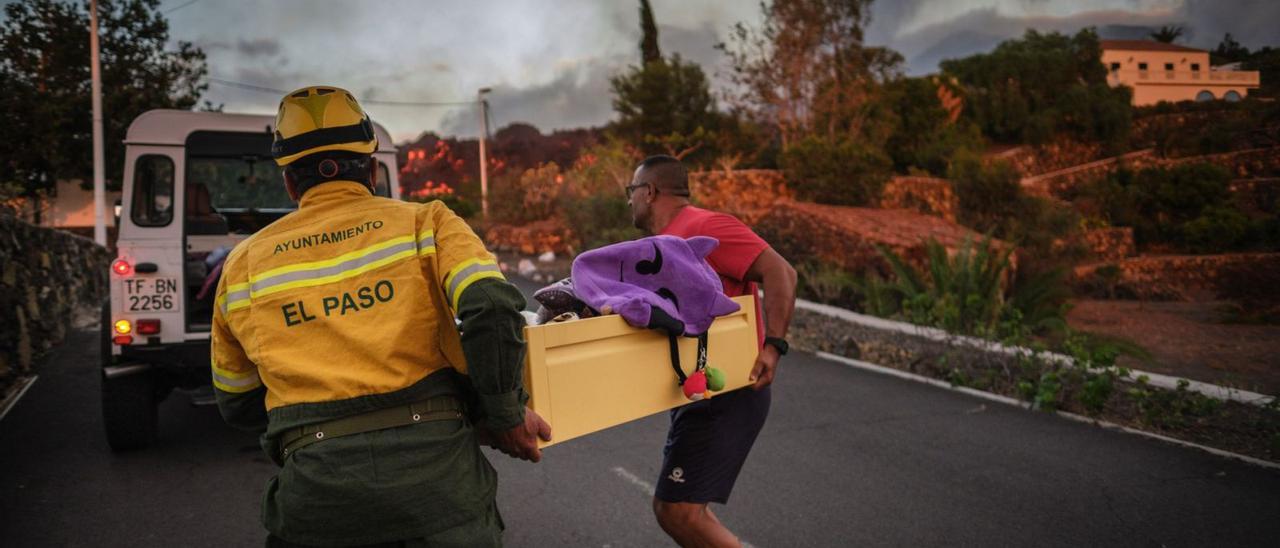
[351, 295]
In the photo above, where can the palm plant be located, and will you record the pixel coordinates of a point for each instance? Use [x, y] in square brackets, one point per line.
[969, 292]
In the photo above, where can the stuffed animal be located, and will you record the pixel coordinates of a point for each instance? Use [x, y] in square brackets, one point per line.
[660, 282]
[635, 279]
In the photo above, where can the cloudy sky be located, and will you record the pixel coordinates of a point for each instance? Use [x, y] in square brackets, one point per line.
[548, 61]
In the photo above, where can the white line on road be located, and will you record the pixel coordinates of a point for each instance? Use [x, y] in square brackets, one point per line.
[648, 489]
[859, 364]
[634, 480]
[12, 400]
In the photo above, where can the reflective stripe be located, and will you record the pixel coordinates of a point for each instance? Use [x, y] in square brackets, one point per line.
[230, 381]
[236, 297]
[426, 242]
[467, 273]
[332, 270]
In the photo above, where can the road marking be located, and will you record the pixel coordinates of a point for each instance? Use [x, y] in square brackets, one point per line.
[634, 480]
[12, 400]
[859, 364]
[648, 489]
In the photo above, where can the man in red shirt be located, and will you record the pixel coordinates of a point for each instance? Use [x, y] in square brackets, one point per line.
[709, 440]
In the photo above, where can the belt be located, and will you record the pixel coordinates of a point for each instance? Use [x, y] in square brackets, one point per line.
[435, 409]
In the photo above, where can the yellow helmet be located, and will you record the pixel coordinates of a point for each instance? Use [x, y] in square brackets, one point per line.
[321, 118]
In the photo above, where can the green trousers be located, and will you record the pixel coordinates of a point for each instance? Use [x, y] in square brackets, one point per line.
[484, 532]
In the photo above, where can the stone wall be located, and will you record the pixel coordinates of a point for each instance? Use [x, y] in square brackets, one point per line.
[745, 193]
[1056, 183]
[925, 195]
[532, 239]
[1111, 244]
[1030, 161]
[1177, 277]
[46, 275]
[1257, 196]
[1242, 164]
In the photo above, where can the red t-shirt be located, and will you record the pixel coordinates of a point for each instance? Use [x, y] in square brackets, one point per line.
[738, 250]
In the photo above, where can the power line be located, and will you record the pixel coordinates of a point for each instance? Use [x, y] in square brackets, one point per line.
[171, 10]
[265, 89]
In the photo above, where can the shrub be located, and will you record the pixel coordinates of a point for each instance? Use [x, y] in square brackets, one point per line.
[1187, 207]
[988, 192]
[827, 283]
[846, 172]
[1218, 228]
[599, 219]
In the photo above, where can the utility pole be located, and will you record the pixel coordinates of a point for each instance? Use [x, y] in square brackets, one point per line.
[484, 156]
[99, 183]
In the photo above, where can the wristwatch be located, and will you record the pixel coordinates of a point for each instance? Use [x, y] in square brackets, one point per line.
[779, 343]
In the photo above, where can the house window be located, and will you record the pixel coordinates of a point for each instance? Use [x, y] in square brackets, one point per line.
[1142, 66]
[1115, 67]
[1195, 67]
[1231, 96]
[152, 191]
[1168, 66]
[1204, 96]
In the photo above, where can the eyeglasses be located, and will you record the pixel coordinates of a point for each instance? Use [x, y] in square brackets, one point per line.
[632, 188]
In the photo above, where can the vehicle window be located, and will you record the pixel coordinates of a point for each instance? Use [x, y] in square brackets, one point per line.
[237, 171]
[384, 179]
[152, 191]
[239, 183]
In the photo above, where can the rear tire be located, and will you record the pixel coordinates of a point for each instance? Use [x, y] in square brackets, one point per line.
[129, 411]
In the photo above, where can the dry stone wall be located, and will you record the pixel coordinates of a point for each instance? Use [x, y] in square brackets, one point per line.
[745, 193]
[1177, 277]
[46, 276]
[925, 195]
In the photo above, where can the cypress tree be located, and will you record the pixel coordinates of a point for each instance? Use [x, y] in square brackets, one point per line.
[649, 51]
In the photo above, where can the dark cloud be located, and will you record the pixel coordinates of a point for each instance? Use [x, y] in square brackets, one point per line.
[578, 96]
[260, 47]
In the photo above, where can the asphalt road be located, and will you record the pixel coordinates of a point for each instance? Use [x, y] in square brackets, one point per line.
[848, 458]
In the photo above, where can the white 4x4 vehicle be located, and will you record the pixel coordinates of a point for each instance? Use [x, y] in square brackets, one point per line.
[195, 185]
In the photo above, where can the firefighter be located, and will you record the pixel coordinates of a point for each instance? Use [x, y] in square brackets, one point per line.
[334, 329]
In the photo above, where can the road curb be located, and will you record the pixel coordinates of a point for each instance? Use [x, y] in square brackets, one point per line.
[871, 367]
[18, 390]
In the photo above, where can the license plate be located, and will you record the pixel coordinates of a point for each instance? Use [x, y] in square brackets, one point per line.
[150, 294]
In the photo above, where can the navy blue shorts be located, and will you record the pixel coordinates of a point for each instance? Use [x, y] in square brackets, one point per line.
[707, 444]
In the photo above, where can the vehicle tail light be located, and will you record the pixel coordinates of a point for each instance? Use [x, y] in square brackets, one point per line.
[123, 327]
[148, 327]
[123, 339]
[121, 267]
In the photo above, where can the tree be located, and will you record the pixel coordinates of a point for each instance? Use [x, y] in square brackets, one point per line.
[44, 67]
[806, 70]
[807, 74]
[649, 51]
[1168, 34]
[665, 104]
[1034, 88]
[1229, 51]
[925, 133]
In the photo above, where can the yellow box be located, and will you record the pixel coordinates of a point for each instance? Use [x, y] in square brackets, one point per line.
[587, 375]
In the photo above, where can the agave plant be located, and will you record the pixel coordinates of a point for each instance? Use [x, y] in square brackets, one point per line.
[967, 292]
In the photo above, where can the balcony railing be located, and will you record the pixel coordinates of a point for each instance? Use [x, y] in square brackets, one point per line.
[1247, 78]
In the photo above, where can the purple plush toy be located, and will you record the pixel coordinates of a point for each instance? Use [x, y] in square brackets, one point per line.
[654, 280]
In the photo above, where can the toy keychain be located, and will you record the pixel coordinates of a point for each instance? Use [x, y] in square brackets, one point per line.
[704, 378]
